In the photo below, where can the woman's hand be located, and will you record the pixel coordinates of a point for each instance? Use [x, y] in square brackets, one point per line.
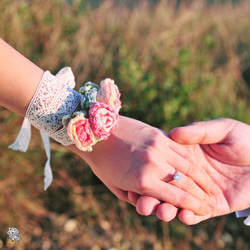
[138, 159]
[221, 147]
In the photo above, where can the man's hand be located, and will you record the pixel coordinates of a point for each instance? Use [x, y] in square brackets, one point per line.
[221, 147]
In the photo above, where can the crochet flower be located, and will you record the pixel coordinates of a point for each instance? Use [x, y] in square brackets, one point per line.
[109, 94]
[80, 132]
[88, 99]
[88, 87]
[103, 119]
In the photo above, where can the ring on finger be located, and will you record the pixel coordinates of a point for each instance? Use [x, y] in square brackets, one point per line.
[176, 176]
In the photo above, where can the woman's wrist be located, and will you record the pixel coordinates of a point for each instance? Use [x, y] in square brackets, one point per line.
[19, 79]
[98, 116]
[53, 110]
[118, 140]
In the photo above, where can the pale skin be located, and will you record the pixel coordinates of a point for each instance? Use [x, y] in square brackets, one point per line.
[222, 148]
[136, 159]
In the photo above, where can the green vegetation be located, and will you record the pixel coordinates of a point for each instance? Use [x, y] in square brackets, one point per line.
[172, 66]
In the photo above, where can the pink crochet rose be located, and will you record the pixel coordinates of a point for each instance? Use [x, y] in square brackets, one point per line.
[79, 130]
[103, 119]
[109, 94]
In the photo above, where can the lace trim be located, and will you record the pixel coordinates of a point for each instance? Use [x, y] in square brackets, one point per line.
[51, 101]
[62, 137]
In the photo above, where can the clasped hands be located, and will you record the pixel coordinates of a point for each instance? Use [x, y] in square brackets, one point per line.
[138, 163]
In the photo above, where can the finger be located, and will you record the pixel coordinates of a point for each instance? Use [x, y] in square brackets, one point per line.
[206, 132]
[179, 198]
[198, 175]
[121, 194]
[189, 218]
[166, 212]
[197, 201]
[133, 197]
[147, 205]
[193, 177]
[170, 156]
[187, 184]
[203, 190]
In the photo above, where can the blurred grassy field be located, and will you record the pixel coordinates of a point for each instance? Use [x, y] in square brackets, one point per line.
[173, 66]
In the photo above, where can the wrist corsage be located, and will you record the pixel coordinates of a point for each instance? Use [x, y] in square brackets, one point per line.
[99, 115]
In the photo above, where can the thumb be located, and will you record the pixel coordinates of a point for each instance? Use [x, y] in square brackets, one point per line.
[206, 132]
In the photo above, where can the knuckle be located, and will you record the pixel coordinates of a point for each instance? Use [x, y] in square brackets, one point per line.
[148, 156]
[154, 136]
[120, 197]
[143, 162]
[144, 156]
[184, 200]
[143, 183]
[188, 184]
[190, 170]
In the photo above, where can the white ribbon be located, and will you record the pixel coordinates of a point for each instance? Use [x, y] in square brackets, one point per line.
[48, 176]
[21, 143]
[23, 138]
[244, 213]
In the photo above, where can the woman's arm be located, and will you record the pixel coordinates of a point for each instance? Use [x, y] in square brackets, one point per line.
[19, 78]
[136, 158]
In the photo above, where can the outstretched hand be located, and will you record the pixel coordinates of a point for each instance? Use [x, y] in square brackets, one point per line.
[221, 147]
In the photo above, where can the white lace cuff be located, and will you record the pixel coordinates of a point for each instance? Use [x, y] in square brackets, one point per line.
[244, 213]
[53, 99]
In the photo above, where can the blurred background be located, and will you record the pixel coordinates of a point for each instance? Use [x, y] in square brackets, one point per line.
[175, 62]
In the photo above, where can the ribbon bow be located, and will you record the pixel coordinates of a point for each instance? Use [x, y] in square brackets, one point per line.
[66, 76]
